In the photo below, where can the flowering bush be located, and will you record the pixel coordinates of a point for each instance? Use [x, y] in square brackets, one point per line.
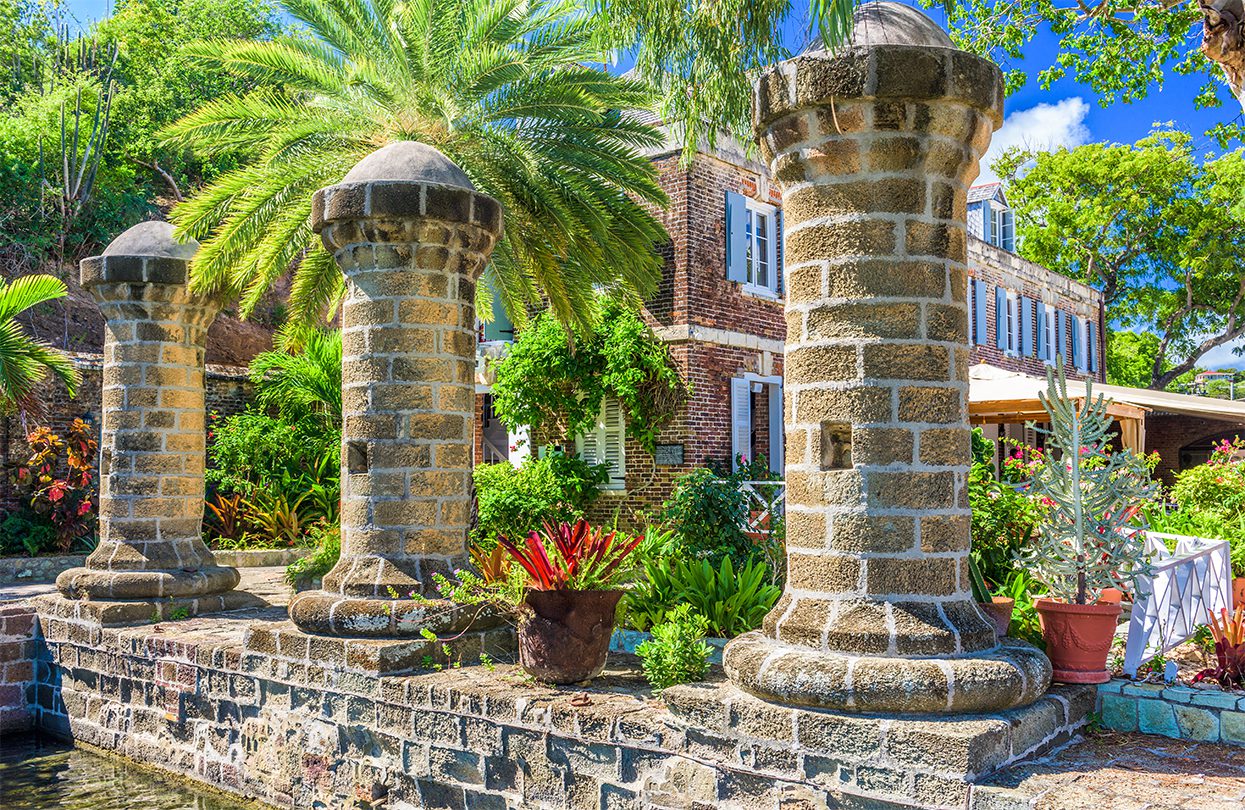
[57, 482]
[1216, 487]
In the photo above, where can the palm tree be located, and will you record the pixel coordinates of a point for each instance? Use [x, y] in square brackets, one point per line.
[24, 361]
[502, 87]
[303, 383]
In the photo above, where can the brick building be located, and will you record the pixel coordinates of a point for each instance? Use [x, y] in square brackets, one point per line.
[720, 308]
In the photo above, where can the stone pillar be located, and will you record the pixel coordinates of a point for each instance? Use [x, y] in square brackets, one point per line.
[153, 438]
[412, 235]
[875, 146]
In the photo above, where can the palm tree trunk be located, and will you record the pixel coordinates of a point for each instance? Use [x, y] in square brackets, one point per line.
[1223, 41]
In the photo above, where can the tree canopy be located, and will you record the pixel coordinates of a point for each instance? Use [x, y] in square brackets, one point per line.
[503, 87]
[1154, 226]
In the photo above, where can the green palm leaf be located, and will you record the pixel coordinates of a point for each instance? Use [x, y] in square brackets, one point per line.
[25, 362]
[499, 86]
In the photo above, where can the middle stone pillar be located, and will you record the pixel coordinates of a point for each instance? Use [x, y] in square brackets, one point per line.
[411, 235]
[874, 146]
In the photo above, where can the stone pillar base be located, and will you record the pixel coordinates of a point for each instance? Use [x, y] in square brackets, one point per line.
[1013, 674]
[336, 614]
[382, 656]
[121, 613]
[91, 583]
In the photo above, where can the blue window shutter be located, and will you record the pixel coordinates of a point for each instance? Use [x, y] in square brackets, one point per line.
[1061, 334]
[979, 315]
[736, 237]
[1092, 348]
[987, 223]
[1009, 231]
[1000, 317]
[1041, 330]
[1026, 327]
[1077, 350]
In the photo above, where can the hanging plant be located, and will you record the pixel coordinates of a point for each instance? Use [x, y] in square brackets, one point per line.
[554, 381]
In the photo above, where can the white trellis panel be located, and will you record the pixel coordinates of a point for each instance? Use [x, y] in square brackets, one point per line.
[766, 502]
[1185, 586]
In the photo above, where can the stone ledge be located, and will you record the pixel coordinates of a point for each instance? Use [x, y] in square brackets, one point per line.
[117, 613]
[297, 725]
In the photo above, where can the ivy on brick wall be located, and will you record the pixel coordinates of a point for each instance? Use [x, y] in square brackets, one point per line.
[554, 380]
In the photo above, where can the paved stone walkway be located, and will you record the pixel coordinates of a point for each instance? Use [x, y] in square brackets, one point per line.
[1126, 772]
[267, 583]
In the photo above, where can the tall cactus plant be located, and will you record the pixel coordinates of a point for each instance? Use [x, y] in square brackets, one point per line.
[1090, 494]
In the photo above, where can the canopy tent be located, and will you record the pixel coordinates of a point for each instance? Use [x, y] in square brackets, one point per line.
[997, 396]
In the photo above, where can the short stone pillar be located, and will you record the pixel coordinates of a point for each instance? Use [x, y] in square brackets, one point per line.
[152, 447]
[875, 146]
[412, 236]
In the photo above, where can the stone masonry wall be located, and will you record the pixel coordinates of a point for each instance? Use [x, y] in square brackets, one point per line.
[1179, 712]
[298, 727]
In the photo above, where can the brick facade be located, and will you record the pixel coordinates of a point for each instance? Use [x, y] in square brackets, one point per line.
[1168, 434]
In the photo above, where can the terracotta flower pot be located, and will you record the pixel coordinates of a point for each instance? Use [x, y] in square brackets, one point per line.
[567, 637]
[999, 612]
[1113, 595]
[1078, 638]
[1238, 591]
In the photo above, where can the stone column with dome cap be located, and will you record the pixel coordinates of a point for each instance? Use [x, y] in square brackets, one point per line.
[152, 437]
[875, 146]
[411, 235]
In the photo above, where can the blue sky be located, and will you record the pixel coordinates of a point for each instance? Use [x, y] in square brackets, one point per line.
[1067, 114]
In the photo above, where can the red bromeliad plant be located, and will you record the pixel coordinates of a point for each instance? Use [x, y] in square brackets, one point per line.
[1229, 633]
[572, 557]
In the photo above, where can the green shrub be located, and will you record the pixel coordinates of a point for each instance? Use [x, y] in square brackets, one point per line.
[328, 540]
[677, 653]
[251, 450]
[26, 534]
[512, 501]
[1210, 501]
[708, 514]
[732, 601]
[1004, 519]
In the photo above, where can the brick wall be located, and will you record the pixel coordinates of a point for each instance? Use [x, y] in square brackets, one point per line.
[228, 391]
[1168, 433]
[17, 663]
[999, 268]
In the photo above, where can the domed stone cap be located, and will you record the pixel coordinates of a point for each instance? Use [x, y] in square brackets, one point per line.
[409, 161]
[886, 23]
[152, 238]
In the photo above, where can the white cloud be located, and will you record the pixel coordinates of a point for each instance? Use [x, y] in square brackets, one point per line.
[1222, 357]
[1041, 128]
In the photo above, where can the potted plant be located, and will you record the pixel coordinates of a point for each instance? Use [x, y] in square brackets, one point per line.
[1228, 631]
[998, 609]
[563, 585]
[1085, 543]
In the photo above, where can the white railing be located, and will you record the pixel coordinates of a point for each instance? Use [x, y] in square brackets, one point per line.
[766, 503]
[1184, 587]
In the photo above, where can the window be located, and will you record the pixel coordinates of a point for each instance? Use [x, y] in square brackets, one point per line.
[741, 391]
[1048, 335]
[1013, 323]
[1002, 227]
[760, 224]
[752, 249]
[606, 444]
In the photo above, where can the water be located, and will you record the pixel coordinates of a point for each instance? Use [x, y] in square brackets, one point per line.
[38, 773]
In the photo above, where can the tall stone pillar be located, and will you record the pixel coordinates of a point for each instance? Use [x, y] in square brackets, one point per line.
[152, 440]
[411, 235]
[875, 146]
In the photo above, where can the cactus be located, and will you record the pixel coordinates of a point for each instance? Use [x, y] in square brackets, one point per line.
[1090, 494]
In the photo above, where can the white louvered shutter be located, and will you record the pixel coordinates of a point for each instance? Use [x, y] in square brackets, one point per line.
[741, 421]
[612, 441]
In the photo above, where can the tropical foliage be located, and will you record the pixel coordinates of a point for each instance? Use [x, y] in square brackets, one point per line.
[731, 600]
[24, 361]
[707, 513]
[554, 381]
[303, 384]
[504, 88]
